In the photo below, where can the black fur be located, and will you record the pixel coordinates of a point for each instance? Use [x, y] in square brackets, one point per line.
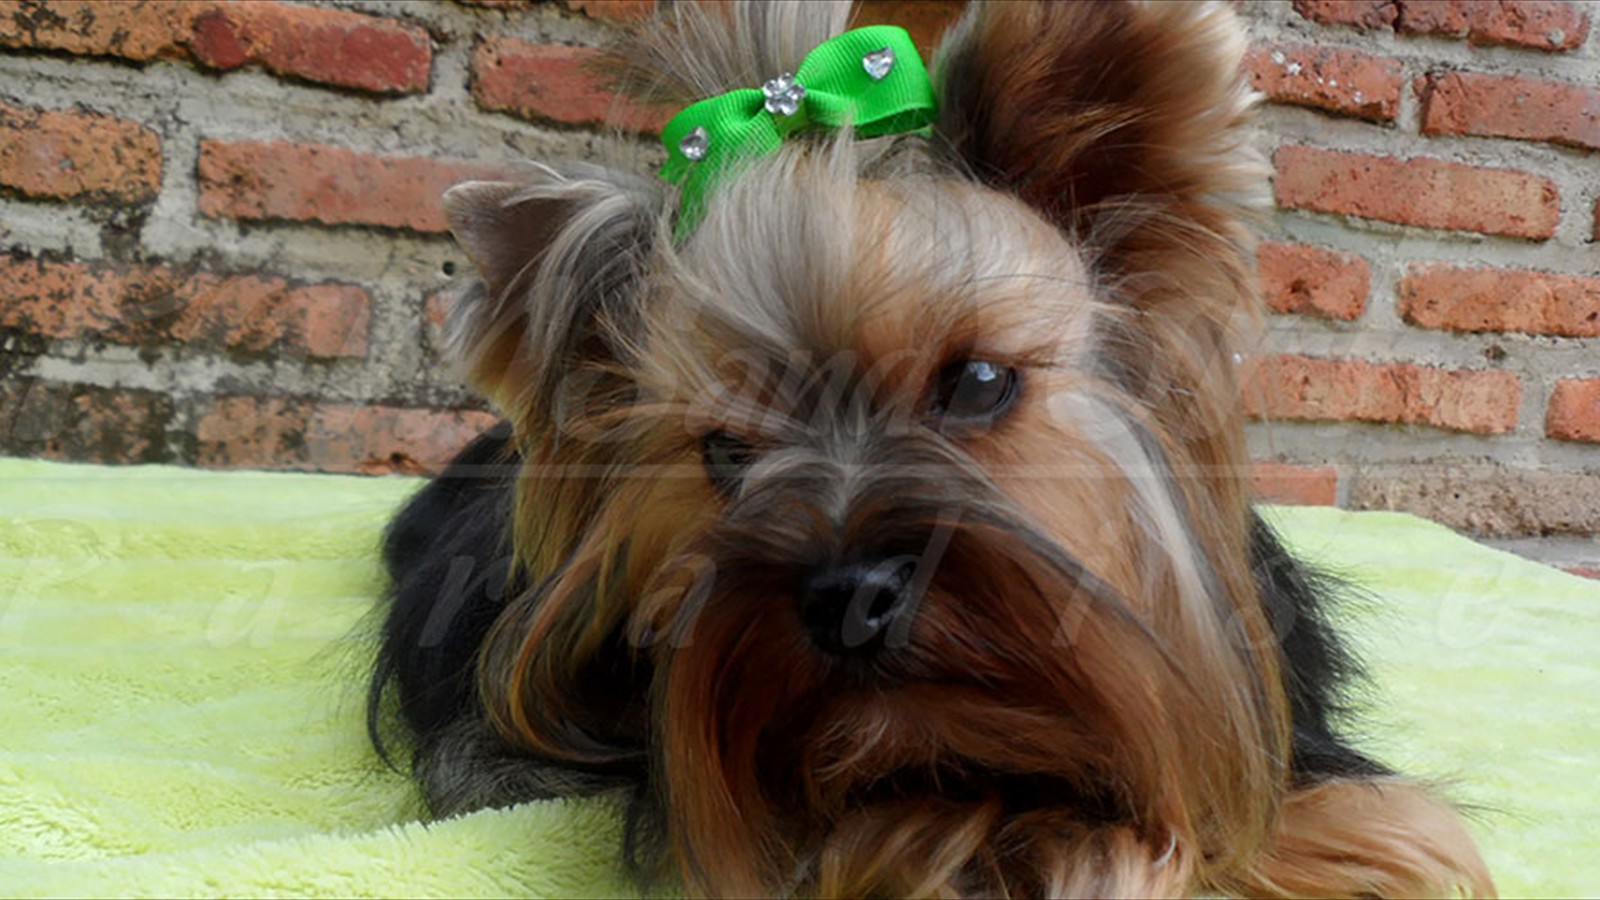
[1319, 671]
[449, 558]
[448, 555]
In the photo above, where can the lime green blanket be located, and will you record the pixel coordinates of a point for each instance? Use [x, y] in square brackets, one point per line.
[180, 697]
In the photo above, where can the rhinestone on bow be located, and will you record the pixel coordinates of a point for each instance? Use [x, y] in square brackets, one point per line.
[783, 95]
[878, 63]
[695, 144]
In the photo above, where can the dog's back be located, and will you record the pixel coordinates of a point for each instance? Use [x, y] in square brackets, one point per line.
[448, 557]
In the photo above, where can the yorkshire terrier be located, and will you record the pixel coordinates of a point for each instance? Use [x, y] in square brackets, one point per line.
[872, 513]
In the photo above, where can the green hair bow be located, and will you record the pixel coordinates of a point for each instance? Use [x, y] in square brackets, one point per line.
[870, 78]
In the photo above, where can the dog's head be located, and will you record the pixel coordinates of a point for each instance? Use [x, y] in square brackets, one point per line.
[891, 518]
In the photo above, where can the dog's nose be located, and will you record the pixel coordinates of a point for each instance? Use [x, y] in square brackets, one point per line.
[847, 609]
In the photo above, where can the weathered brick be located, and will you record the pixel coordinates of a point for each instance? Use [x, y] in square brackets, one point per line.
[267, 314]
[1367, 14]
[1485, 498]
[60, 155]
[1296, 485]
[297, 433]
[613, 10]
[83, 423]
[386, 439]
[135, 30]
[277, 180]
[1430, 193]
[1541, 24]
[1582, 571]
[326, 46]
[1304, 388]
[554, 82]
[136, 304]
[253, 432]
[1343, 81]
[1574, 411]
[1481, 299]
[1512, 106]
[1297, 278]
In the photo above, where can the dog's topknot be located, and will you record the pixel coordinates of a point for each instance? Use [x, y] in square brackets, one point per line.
[700, 50]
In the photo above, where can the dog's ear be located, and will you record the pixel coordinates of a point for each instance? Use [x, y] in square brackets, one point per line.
[1126, 124]
[1114, 119]
[559, 258]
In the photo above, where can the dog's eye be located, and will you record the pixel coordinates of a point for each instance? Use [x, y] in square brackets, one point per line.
[974, 391]
[725, 457]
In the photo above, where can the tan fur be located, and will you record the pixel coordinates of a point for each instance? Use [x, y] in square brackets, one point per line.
[1093, 633]
[1377, 838]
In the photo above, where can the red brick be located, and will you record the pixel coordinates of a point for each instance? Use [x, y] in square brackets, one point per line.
[1367, 14]
[1582, 571]
[277, 180]
[262, 314]
[326, 46]
[83, 423]
[1540, 24]
[136, 30]
[252, 432]
[1276, 482]
[1342, 81]
[1461, 299]
[1574, 411]
[385, 439]
[135, 304]
[1425, 192]
[613, 10]
[256, 432]
[60, 155]
[1332, 390]
[1297, 278]
[554, 82]
[1529, 109]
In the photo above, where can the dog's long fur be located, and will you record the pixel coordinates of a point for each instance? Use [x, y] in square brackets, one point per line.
[1115, 681]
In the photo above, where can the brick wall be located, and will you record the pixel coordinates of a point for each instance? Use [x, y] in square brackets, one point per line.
[1434, 262]
[222, 224]
[223, 244]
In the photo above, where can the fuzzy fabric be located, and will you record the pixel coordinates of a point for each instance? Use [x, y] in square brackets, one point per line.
[181, 697]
